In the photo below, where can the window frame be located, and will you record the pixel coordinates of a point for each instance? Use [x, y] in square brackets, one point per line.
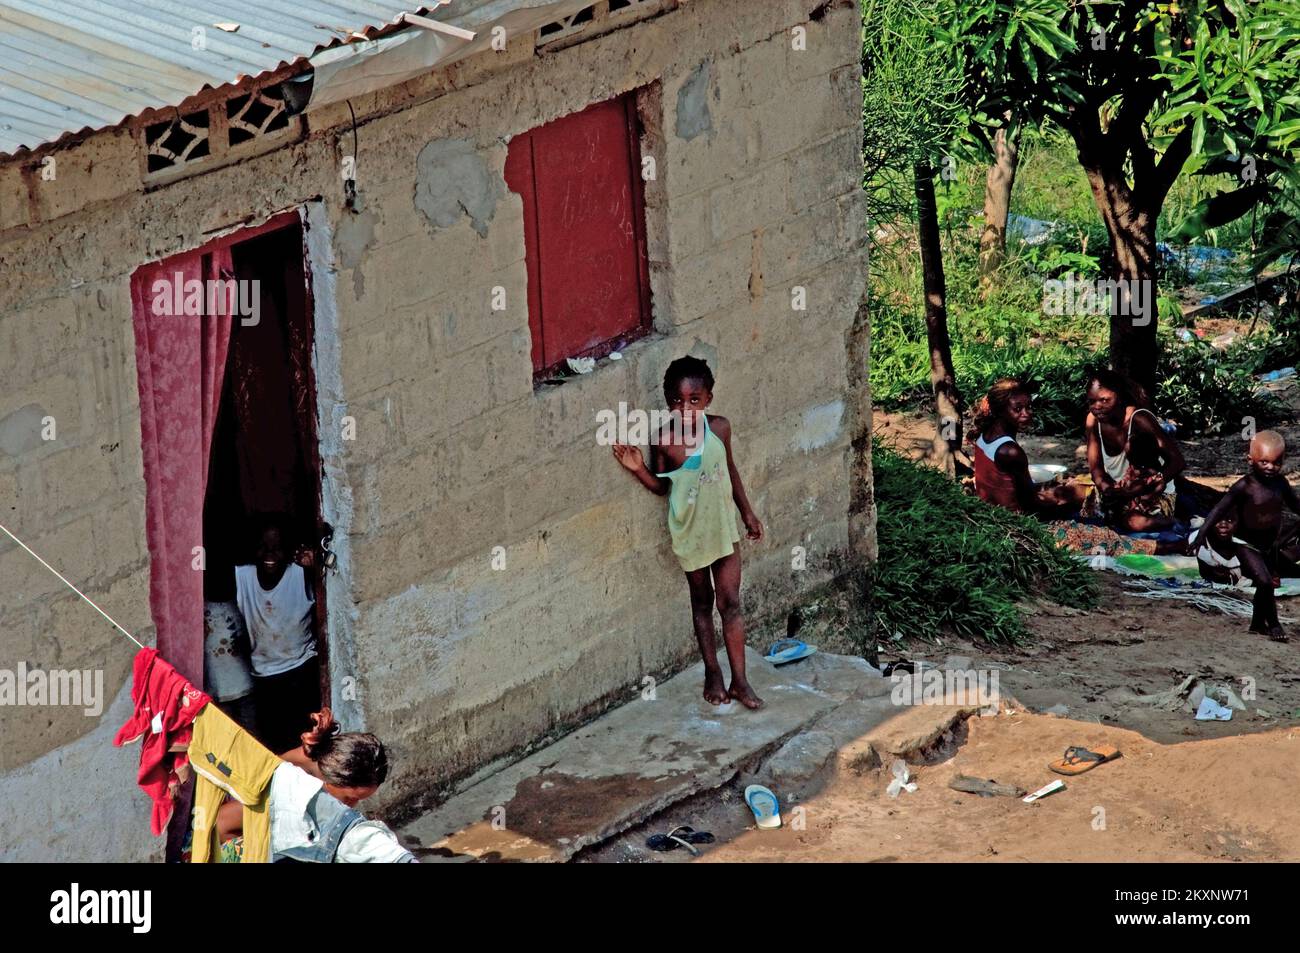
[535, 256]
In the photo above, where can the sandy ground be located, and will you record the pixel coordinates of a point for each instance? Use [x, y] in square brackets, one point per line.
[1226, 799]
[1184, 790]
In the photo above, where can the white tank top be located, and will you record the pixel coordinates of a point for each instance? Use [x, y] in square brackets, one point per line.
[990, 448]
[279, 621]
[1116, 465]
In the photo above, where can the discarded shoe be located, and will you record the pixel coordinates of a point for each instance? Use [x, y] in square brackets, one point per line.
[1078, 760]
[679, 837]
[766, 808]
[789, 650]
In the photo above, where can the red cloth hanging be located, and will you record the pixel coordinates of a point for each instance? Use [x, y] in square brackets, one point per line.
[165, 707]
[180, 361]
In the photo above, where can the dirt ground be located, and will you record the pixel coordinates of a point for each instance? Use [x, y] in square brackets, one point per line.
[1224, 799]
[1184, 790]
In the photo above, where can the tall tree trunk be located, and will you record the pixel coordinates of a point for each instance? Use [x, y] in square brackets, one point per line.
[862, 502]
[1131, 264]
[998, 183]
[1133, 350]
[862, 495]
[942, 377]
[1130, 215]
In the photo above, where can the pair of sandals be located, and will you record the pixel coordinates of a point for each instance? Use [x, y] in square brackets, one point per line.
[762, 803]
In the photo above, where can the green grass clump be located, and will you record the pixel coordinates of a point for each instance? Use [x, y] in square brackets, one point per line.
[950, 561]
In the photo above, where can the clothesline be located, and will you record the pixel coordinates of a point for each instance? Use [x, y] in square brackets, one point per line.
[71, 586]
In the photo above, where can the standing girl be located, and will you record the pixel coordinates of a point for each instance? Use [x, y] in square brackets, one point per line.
[691, 463]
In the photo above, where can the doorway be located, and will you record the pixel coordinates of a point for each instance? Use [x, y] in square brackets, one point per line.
[264, 462]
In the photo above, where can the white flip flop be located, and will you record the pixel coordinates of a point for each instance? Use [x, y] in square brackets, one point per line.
[764, 805]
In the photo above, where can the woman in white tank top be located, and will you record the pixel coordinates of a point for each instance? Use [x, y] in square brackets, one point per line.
[1134, 468]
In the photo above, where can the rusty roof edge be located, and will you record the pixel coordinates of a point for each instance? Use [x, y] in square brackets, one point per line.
[333, 62]
[241, 81]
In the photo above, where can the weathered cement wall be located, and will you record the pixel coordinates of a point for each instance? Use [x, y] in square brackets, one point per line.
[456, 664]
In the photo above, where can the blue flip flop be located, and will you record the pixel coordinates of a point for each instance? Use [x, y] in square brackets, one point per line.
[789, 650]
[763, 803]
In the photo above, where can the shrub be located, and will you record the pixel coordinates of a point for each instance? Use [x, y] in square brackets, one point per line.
[948, 560]
[1209, 391]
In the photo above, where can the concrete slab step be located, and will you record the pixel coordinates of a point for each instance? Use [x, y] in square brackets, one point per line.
[631, 763]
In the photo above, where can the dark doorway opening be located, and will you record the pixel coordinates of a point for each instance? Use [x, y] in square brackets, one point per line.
[264, 458]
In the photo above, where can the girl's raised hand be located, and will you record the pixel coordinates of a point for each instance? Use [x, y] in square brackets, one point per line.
[629, 456]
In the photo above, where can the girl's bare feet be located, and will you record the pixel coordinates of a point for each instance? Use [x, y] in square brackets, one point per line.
[715, 692]
[1277, 634]
[745, 695]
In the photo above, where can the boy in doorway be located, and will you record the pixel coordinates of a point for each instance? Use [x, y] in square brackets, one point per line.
[275, 598]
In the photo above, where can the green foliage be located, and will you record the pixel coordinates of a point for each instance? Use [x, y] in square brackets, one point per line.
[1053, 262]
[1156, 72]
[1060, 372]
[912, 105]
[1007, 48]
[1231, 74]
[949, 561]
[1202, 389]
[1050, 186]
[1005, 333]
[1162, 91]
[1209, 391]
[1233, 90]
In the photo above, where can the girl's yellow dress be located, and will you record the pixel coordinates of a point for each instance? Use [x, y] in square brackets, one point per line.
[701, 511]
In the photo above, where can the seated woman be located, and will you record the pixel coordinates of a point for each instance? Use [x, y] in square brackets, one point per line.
[305, 827]
[1001, 467]
[1133, 461]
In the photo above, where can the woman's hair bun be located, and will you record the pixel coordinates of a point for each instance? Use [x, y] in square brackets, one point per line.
[317, 741]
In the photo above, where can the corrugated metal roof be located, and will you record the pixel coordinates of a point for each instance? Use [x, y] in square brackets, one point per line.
[69, 66]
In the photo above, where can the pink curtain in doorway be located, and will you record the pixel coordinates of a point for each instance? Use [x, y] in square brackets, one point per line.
[180, 362]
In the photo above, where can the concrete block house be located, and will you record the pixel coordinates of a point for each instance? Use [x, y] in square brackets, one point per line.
[435, 207]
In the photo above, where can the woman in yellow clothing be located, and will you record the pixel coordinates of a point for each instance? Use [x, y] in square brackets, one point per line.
[691, 463]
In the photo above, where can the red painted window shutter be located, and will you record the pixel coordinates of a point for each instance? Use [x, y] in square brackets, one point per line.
[584, 231]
